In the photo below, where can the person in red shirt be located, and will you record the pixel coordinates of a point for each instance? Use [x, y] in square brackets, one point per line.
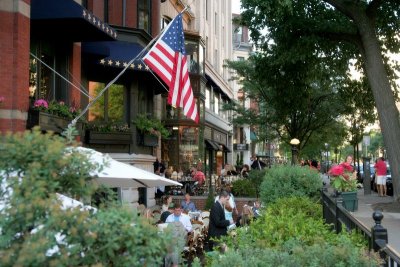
[381, 170]
[198, 176]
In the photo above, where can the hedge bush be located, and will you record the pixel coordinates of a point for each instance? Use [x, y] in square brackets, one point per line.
[291, 232]
[243, 188]
[285, 181]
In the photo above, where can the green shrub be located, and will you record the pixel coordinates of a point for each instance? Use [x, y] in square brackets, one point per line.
[286, 181]
[294, 253]
[256, 177]
[36, 231]
[243, 188]
[291, 232]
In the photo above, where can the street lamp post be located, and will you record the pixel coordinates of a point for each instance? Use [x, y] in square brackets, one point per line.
[326, 156]
[294, 142]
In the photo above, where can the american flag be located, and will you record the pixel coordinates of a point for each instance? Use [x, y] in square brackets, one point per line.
[167, 58]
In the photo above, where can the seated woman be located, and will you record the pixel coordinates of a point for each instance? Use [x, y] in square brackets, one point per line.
[245, 171]
[247, 214]
[166, 202]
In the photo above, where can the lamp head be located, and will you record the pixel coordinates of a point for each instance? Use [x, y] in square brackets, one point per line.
[294, 142]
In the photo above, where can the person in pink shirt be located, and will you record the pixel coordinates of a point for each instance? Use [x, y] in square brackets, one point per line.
[198, 176]
[381, 170]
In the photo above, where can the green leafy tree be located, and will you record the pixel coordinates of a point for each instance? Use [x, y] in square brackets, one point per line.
[296, 99]
[338, 30]
[37, 230]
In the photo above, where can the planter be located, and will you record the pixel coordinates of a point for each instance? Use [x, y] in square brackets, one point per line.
[350, 200]
[48, 122]
[150, 140]
[146, 139]
[109, 138]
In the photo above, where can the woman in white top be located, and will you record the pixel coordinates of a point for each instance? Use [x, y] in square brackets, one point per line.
[167, 201]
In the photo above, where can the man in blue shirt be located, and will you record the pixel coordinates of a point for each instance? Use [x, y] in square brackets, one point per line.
[187, 204]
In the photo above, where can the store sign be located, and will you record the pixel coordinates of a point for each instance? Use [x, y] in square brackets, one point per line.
[240, 147]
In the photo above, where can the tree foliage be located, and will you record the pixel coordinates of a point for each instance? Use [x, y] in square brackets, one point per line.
[337, 31]
[38, 230]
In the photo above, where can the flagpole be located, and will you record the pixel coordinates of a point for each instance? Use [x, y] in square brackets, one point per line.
[69, 129]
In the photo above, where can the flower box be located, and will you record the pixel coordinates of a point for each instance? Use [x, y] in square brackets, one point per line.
[48, 122]
[108, 138]
[150, 140]
[350, 200]
[147, 139]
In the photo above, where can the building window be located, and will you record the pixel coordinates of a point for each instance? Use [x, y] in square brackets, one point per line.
[43, 81]
[192, 49]
[188, 147]
[110, 106]
[240, 58]
[216, 104]
[208, 98]
[164, 22]
[144, 15]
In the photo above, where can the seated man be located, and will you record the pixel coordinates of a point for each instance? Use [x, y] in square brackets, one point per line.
[256, 209]
[187, 204]
[178, 216]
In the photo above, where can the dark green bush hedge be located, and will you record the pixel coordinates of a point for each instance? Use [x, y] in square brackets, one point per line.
[285, 181]
[291, 232]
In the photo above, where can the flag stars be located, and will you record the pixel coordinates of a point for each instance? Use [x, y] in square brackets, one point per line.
[110, 62]
[102, 61]
[117, 63]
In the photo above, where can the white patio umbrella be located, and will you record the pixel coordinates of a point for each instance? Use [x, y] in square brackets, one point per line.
[119, 174]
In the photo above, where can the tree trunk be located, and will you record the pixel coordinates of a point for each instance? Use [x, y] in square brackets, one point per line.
[387, 111]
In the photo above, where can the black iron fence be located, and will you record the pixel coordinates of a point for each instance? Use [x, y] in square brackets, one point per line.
[337, 216]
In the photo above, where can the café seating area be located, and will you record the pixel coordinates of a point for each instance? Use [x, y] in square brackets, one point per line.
[195, 242]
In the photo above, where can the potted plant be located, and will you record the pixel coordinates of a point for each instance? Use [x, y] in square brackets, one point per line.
[108, 133]
[52, 116]
[150, 129]
[343, 179]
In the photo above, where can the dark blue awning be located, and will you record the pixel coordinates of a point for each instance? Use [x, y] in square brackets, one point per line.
[67, 20]
[120, 54]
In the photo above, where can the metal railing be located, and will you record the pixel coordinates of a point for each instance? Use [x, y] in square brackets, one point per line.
[336, 215]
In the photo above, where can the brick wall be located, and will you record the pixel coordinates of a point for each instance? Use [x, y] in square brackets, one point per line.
[200, 201]
[14, 68]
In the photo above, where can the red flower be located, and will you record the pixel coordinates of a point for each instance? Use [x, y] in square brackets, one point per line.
[347, 166]
[336, 170]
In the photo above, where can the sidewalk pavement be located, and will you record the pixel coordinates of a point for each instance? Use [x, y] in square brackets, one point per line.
[367, 204]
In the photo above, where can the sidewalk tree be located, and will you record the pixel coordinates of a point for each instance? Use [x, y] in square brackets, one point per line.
[295, 99]
[37, 231]
[362, 30]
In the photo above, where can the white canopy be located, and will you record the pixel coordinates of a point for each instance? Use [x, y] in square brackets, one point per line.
[119, 174]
